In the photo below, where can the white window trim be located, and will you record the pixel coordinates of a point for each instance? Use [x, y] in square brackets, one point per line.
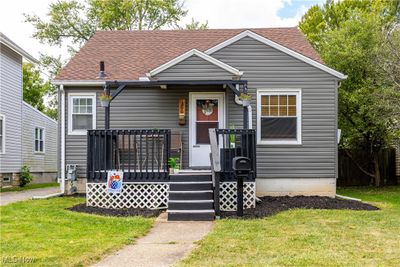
[3, 150]
[44, 141]
[72, 96]
[271, 91]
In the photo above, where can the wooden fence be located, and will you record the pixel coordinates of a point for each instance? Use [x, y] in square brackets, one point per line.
[351, 175]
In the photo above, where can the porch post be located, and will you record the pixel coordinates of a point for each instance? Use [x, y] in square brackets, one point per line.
[107, 110]
[245, 111]
[245, 118]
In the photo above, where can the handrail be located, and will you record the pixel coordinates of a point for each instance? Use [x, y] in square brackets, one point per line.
[141, 154]
[215, 169]
[216, 162]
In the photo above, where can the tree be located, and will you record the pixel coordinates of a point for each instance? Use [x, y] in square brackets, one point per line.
[196, 25]
[135, 14]
[73, 22]
[320, 20]
[353, 37]
[35, 90]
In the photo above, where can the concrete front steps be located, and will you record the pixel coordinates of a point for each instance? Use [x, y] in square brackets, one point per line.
[191, 197]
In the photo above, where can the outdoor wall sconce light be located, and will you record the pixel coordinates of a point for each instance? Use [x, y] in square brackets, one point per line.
[182, 111]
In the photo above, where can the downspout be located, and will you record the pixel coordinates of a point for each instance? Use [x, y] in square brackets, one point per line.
[62, 185]
[62, 152]
[249, 111]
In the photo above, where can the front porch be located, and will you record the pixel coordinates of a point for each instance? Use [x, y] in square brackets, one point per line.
[142, 156]
[205, 183]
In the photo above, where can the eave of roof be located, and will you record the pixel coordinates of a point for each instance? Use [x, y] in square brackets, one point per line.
[129, 55]
[17, 49]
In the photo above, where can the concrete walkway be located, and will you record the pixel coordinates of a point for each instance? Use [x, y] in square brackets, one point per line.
[11, 197]
[165, 244]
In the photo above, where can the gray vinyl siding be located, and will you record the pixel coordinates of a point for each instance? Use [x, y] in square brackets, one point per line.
[194, 68]
[38, 162]
[135, 109]
[11, 108]
[266, 68]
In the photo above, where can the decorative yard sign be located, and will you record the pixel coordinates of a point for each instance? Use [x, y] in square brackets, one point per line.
[114, 181]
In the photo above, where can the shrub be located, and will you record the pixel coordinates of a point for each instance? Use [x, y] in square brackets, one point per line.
[26, 176]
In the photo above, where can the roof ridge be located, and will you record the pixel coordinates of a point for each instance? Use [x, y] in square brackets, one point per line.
[197, 30]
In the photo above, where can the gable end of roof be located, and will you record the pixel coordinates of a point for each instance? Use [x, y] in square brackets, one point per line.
[290, 52]
[194, 52]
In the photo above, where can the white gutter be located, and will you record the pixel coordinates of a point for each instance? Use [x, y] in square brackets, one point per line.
[79, 82]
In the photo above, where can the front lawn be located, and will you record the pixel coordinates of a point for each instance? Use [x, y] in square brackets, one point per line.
[44, 231]
[309, 237]
[28, 187]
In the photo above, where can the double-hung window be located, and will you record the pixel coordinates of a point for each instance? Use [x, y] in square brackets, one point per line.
[279, 116]
[82, 113]
[39, 140]
[2, 134]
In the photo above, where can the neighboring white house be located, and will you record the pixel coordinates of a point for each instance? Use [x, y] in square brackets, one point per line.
[27, 136]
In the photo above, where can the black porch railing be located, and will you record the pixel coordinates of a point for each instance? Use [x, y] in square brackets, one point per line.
[236, 143]
[141, 154]
[225, 145]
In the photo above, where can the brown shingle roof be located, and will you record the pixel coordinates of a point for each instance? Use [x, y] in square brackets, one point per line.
[129, 55]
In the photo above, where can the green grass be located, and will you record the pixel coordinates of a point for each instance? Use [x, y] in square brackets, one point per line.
[44, 231]
[309, 237]
[27, 187]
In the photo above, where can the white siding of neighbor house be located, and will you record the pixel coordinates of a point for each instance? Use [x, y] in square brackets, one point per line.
[11, 108]
[38, 162]
[265, 68]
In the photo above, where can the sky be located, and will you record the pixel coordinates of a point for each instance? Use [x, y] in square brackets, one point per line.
[218, 13]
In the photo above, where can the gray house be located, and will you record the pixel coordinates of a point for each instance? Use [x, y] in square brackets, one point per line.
[27, 136]
[169, 88]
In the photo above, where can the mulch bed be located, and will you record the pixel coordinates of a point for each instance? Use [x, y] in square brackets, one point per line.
[273, 205]
[116, 212]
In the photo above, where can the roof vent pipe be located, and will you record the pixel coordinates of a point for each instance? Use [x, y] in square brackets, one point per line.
[102, 73]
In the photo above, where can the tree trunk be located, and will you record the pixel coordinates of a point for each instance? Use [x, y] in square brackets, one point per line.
[377, 177]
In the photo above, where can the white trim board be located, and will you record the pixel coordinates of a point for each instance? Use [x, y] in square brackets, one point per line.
[195, 52]
[79, 82]
[279, 47]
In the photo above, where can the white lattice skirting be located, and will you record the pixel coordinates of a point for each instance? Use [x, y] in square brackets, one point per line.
[133, 195]
[228, 195]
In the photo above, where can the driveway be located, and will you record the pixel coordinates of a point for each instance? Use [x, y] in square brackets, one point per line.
[11, 197]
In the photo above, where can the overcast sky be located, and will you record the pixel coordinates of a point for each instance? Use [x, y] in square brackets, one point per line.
[218, 13]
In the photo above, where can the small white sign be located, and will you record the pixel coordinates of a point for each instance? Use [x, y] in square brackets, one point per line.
[114, 181]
